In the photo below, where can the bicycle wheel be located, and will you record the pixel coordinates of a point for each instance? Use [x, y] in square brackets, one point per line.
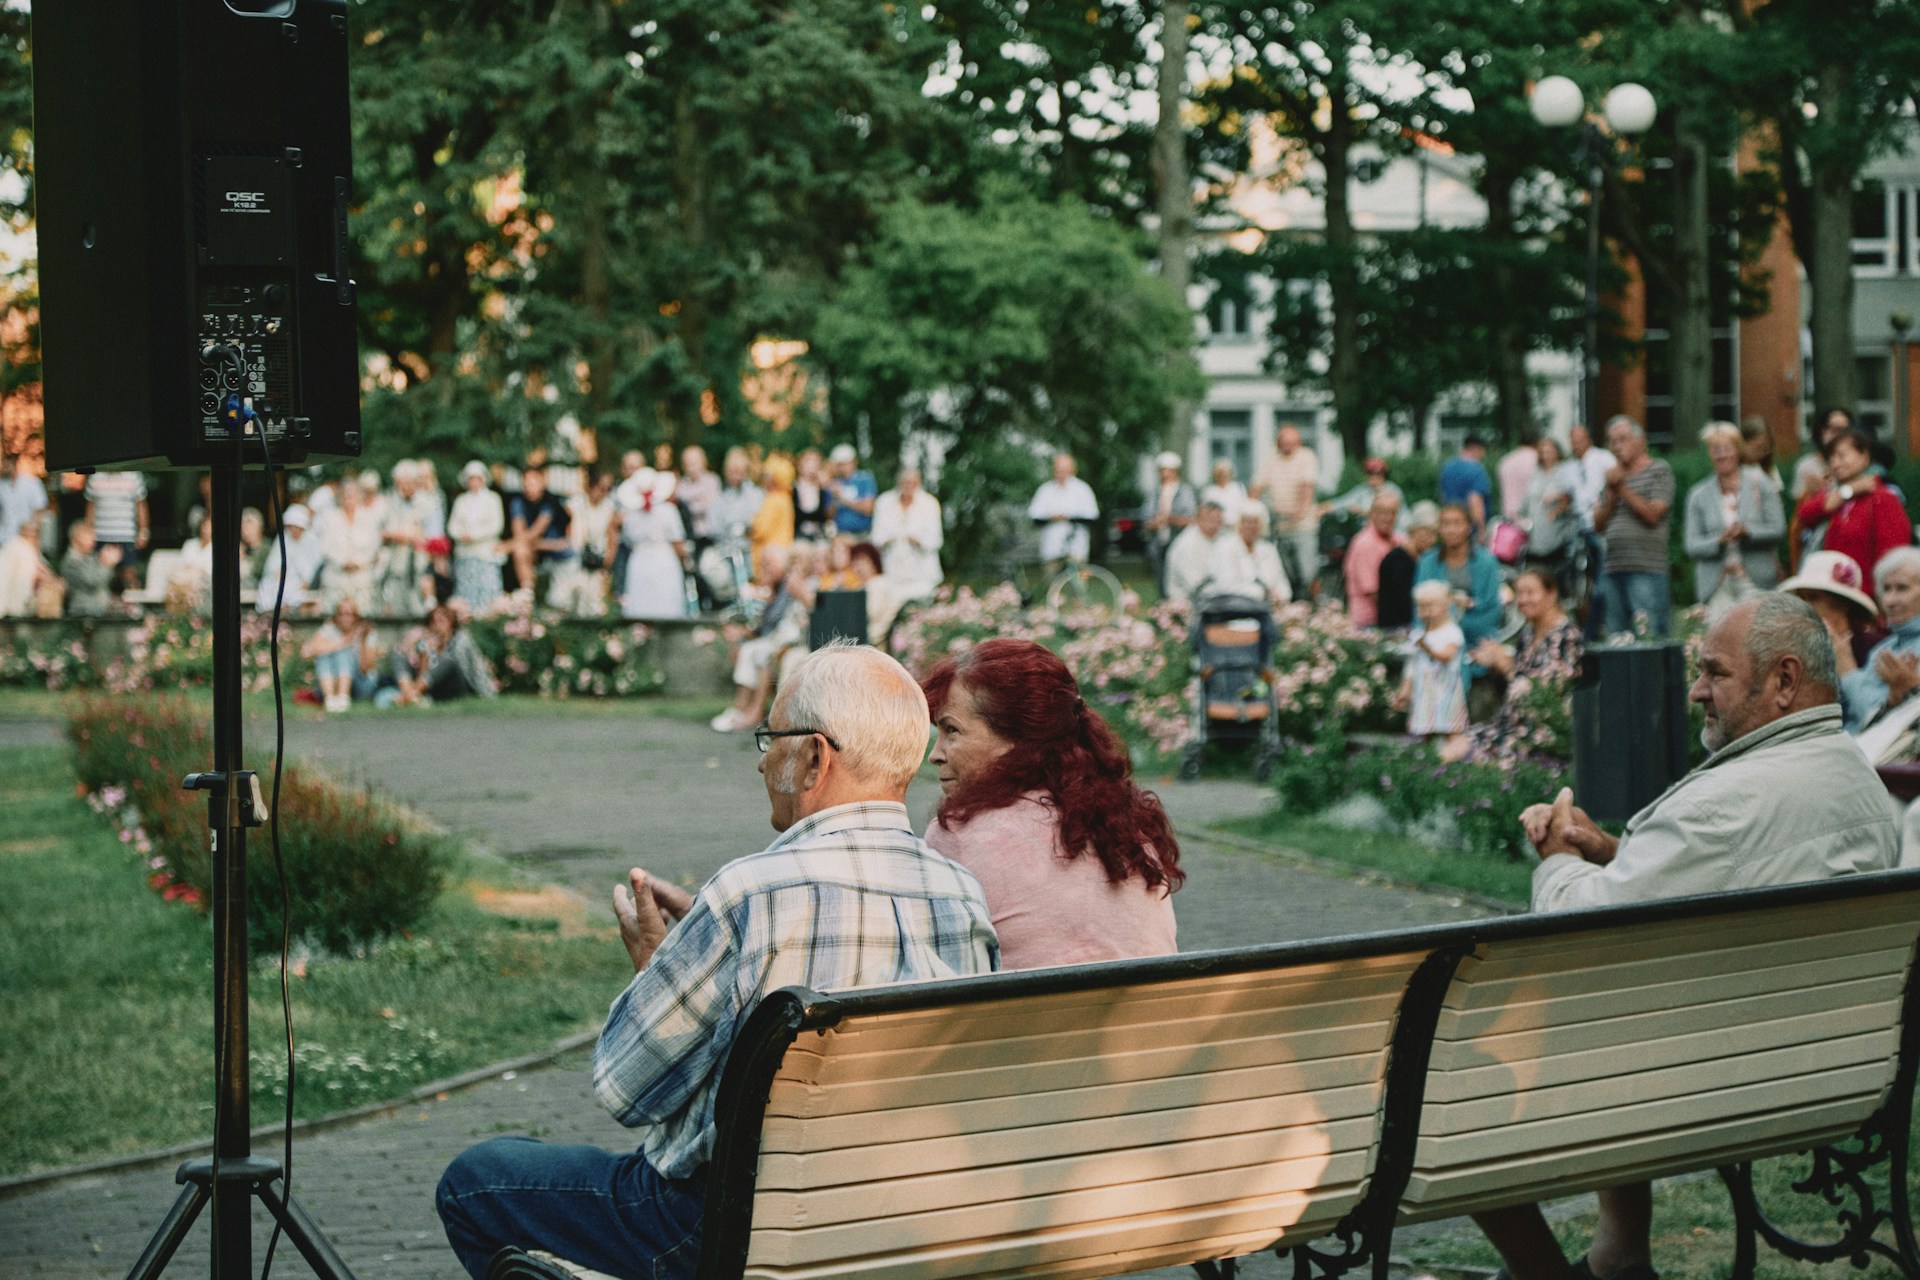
[1084, 586]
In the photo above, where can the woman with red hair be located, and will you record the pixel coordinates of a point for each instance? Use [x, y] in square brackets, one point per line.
[1078, 863]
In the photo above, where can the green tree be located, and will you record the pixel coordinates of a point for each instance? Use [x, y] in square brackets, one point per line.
[1831, 83]
[1006, 331]
[1048, 93]
[1294, 67]
[19, 282]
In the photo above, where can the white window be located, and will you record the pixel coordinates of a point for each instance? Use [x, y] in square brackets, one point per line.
[1884, 230]
[1229, 316]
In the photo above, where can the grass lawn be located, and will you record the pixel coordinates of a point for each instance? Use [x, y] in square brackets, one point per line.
[1397, 856]
[106, 1031]
[1693, 1228]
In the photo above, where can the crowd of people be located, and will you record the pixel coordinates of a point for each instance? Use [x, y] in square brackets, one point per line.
[654, 541]
[1483, 582]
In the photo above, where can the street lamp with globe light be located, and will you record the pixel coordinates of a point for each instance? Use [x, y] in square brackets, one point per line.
[1629, 109]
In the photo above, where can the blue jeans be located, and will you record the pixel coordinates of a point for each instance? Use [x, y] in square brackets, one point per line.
[1624, 596]
[611, 1213]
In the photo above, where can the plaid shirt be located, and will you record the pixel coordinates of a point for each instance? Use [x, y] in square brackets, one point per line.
[849, 897]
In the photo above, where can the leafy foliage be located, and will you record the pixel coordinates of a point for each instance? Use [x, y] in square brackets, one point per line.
[1019, 321]
[357, 869]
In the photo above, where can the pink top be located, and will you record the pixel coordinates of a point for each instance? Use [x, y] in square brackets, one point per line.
[1362, 565]
[1051, 910]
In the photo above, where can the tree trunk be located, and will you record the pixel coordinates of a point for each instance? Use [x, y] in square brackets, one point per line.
[1343, 366]
[1174, 191]
[1830, 267]
[1513, 412]
[682, 418]
[1690, 323]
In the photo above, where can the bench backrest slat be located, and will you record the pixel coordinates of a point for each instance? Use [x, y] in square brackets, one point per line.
[1088, 1132]
[1563, 1063]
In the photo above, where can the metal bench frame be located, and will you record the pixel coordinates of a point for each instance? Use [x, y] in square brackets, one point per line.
[1364, 1237]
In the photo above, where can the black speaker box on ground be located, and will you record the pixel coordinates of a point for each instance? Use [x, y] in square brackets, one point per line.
[192, 163]
[837, 615]
[1629, 727]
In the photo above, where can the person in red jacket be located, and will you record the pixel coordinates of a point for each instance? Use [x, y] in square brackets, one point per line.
[1863, 515]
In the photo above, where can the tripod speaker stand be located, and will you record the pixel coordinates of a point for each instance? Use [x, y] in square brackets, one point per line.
[234, 1176]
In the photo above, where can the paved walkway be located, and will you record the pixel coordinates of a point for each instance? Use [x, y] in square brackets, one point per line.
[576, 799]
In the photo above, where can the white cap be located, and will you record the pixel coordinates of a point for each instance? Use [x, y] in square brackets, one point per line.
[842, 453]
[472, 469]
[296, 517]
[1167, 460]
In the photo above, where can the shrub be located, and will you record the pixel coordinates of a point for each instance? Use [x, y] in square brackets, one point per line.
[1472, 806]
[62, 661]
[358, 870]
[1313, 774]
[1329, 672]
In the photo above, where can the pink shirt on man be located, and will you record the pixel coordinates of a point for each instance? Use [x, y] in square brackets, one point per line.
[1049, 909]
[1362, 564]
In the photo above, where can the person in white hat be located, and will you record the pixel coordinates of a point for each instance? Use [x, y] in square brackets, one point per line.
[1172, 509]
[303, 556]
[1832, 582]
[476, 524]
[656, 542]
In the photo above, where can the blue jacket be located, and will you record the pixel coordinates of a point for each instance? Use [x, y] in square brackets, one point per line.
[1482, 619]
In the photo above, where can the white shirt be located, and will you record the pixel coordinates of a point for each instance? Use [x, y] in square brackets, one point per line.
[1592, 482]
[1229, 497]
[1061, 539]
[909, 539]
[21, 499]
[1189, 563]
[303, 565]
[477, 522]
[1253, 572]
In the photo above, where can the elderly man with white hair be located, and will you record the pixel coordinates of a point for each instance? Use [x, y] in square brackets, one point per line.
[1189, 562]
[1246, 566]
[846, 896]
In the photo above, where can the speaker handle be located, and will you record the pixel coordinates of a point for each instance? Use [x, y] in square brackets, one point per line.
[343, 287]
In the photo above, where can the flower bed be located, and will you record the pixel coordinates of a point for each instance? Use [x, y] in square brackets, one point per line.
[1133, 669]
[1136, 668]
[560, 657]
[543, 653]
[358, 870]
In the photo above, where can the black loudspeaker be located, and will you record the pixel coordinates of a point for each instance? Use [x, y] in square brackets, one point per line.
[1629, 727]
[837, 615]
[192, 164]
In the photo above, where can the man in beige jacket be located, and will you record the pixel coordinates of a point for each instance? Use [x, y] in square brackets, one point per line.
[1784, 796]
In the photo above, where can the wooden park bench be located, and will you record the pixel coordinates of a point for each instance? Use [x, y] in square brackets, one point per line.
[1110, 1118]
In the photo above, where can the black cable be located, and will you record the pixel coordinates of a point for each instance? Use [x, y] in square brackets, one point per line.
[273, 826]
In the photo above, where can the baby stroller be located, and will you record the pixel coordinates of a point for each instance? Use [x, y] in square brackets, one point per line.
[1232, 690]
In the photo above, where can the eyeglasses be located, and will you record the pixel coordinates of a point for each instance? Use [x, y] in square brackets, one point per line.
[763, 737]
